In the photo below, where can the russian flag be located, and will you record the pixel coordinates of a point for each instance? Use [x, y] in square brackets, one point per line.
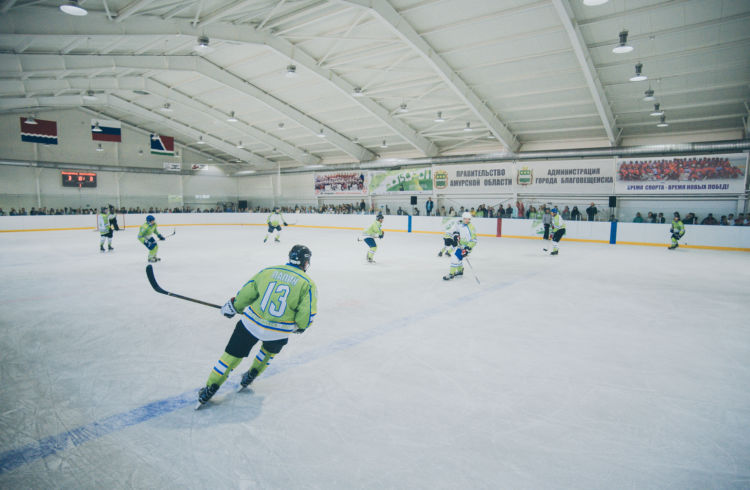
[44, 132]
[162, 145]
[104, 130]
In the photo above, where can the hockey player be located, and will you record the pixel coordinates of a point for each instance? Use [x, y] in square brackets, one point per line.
[557, 228]
[677, 230]
[107, 222]
[450, 236]
[372, 232]
[467, 240]
[277, 301]
[274, 221]
[144, 236]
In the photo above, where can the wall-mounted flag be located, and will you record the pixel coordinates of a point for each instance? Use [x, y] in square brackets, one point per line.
[105, 130]
[44, 132]
[162, 145]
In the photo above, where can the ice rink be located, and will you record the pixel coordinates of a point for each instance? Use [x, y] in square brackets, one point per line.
[606, 367]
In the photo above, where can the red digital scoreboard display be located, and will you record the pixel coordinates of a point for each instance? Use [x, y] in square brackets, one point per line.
[73, 178]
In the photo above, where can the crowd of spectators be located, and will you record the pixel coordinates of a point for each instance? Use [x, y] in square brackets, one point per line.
[679, 169]
[534, 212]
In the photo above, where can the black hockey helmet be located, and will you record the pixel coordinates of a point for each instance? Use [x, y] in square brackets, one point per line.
[299, 256]
[677, 215]
[379, 217]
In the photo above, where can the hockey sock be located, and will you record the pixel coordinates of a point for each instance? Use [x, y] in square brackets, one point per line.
[101, 241]
[261, 361]
[554, 246]
[371, 253]
[223, 367]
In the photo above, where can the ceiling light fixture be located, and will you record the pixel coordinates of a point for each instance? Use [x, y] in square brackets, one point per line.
[96, 128]
[167, 107]
[384, 144]
[281, 125]
[662, 122]
[240, 145]
[200, 141]
[594, 3]
[357, 92]
[72, 8]
[439, 117]
[321, 134]
[638, 77]
[202, 46]
[231, 117]
[30, 120]
[648, 95]
[657, 111]
[99, 148]
[468, 126]
[291, 71]
[402, 108]
[623, 46]
[89, 95]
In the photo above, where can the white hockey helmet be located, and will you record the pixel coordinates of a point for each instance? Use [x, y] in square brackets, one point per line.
[466, 215]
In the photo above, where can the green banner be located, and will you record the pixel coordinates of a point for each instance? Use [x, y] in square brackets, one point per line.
[413, 180]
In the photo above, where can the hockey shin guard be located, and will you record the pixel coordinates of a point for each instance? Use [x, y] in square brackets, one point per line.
[261, 361]
[223, 367]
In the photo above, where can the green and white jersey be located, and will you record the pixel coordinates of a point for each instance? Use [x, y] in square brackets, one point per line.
[558, 223]
[104, 222]
[275, 219]
[677, 227]
[374, 230]
[277, 301]
[450, 225]
[468, 235]
[146, 231]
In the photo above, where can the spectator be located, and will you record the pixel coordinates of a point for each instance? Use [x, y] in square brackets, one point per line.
[591, 211]
[709, 220]
[650, 218]
[416, 211]
[660, 218]
[575, 215]
[566, 213]
[546, 221]
[442, 211]
[723, 220]
[452, 212]
[428, 206]
[521, 210]
[638, 218]
[400, 211]
[740, 220]
[362, 206]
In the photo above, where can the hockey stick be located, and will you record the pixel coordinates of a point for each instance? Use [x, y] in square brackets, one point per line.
[472, 270]
[173, 232]
[158, 289]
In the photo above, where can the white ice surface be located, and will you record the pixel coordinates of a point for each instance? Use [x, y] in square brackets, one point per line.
[604, 367]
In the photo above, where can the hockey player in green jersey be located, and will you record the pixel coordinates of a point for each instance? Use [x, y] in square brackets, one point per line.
[677, 230]
[107, 222]
[450, 236]
[277, 301]
[557, 228]
[370, 233]
[144, 236]
[274, 221]
[467, 240]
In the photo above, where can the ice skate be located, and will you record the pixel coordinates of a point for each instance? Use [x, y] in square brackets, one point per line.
[154, 259]
[205, 394]
[247, 379]
[101, 248]
[449, 277]
[440, 253]
[554, 252]
[110, 248]
[265, 239]
[276, 240]
[672, 247]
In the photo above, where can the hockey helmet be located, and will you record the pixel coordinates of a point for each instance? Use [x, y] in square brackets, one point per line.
[300, 256]
[554, 211]
[677, 215]
[150, 219]
[104, 209]
[466, 215]
[379, 217]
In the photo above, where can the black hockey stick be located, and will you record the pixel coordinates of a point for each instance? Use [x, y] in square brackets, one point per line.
[470, 267]
[158, 289]
[173, 232]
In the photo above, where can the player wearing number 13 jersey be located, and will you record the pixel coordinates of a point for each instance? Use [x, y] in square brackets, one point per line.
[277, 301]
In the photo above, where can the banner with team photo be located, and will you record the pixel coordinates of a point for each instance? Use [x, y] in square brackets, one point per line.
[481, 178]
[709, 174]
[412, 181]
[565, 176]
[350, 183]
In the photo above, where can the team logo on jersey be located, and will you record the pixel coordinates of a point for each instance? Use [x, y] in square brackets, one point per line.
[441, 179]
[524, 176]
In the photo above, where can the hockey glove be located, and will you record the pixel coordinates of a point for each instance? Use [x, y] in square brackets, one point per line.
[228, 309]
[299, 331]
[381, 234]
[161, 237]
[465, 251]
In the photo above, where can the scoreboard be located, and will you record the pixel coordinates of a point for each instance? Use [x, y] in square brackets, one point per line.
[74, 178]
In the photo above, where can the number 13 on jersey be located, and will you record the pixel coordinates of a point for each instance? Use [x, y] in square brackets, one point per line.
[274, 299]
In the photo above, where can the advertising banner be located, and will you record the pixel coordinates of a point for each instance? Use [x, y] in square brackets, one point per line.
[480, 178]
[411, 181]
[347, 183]
[710, 174]
[565, 177]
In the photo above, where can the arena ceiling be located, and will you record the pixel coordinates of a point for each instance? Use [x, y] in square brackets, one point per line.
[373, 78]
